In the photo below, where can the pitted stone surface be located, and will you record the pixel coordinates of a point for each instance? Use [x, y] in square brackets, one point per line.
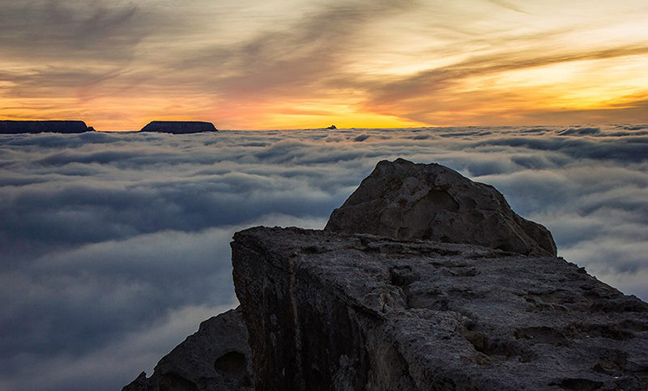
[359, 312]
[216, 358]
[404, 200]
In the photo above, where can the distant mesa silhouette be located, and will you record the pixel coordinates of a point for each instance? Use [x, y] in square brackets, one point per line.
[16, 127]
[179, 127]
[332, 127]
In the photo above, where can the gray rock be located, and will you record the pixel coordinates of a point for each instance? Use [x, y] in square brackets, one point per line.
[404, 200]
[358, 312]
[215, 358]
[179, 127]
[15, 127]
[343, 309]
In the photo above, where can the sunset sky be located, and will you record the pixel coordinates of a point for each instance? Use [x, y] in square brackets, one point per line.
[243, 64]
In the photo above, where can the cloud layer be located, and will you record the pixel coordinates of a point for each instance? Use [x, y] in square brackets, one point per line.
[115, 246]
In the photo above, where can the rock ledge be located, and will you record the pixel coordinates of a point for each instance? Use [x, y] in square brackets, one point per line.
[215, 358]
[422, 280]
[359, 312]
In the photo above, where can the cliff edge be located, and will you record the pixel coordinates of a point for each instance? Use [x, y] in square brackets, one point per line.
[425, 280]
[422, 280]
[362, 312]
[215, 358]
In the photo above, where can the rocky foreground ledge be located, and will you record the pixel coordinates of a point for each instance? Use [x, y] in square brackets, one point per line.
[16, 127]
[413, 299]
[360, 312]
[216, 357]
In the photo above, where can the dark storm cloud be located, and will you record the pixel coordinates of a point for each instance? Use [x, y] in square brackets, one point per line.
[115, 246]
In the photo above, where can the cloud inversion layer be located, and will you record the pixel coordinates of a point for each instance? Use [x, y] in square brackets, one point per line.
[115, 246]
[355, 63]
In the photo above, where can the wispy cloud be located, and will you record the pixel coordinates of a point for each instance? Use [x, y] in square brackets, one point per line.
[288, 64]
[59, 30]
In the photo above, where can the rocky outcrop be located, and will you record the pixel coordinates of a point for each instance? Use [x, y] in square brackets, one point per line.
[422, 280]
[425, 280]
[360, 312]
[179, 127]
[404, 200]
[215, 358]
[15, 127]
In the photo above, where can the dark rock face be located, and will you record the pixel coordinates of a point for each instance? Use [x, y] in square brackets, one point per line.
[15, 127]
[216, 358]
[179, 127]
[456, 293]
[358, 312]
[404, 200]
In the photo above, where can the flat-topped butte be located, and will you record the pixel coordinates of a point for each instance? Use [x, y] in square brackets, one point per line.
[179, 127]
[17, 127]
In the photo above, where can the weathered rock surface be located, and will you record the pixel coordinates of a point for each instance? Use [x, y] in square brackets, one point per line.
[215, 358]
[179, 127]
[15, 127]
[404, 200]
[422, 280]
[359, 312]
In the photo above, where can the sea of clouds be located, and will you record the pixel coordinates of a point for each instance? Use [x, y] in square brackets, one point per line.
[114, 247]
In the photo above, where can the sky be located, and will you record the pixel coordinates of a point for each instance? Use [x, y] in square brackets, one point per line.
[288, 64]
[115, 246]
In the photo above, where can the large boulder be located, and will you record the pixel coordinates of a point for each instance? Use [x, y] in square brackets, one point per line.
[359, 312]
[216, 358]
[179, 127]
[15, 127]
[404, 200]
